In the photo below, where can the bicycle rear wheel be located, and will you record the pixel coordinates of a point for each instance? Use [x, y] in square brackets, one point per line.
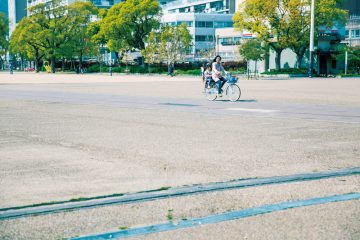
[210, 93]
[233, 92]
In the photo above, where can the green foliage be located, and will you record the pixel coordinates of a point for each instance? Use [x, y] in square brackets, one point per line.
[25, 41]
[4, 29]
[252, 50]
[287, 71]
[170, 44]
[353, 58]
[194, 72]
[170, 215]
[285, 23]
[80, 43]
[55, 31]
[128, 23]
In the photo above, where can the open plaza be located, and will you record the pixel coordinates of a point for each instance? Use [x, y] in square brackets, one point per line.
[95, 156]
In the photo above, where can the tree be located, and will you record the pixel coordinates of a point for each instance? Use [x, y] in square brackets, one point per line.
[252, 50]
[127, 24]
[4, 31]
[24, 41]
[150, 52]
[353, 57]
[267, 20]
[170, 44]
[80, 43]
[285, 23]
[54, 28]
[208, 53]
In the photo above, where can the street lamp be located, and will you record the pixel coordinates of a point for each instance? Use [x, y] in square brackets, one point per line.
[311, 61]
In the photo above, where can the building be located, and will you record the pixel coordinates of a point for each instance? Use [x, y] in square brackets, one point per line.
[202, 17]
[200, 6]
[16, 11]
[353, 6]
[228, 41]
[163, 2]
[105, 3]
[97, 3]
[353, 26]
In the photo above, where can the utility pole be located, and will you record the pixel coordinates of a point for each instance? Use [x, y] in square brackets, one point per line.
[311, 57]
[346, 52]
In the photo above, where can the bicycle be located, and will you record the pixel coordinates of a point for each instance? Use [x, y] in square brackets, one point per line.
[230, 88]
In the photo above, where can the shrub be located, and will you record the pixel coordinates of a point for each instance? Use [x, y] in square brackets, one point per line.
[188, 72]
[287, 71]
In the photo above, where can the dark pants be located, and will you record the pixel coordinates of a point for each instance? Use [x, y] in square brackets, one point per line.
[220, 83]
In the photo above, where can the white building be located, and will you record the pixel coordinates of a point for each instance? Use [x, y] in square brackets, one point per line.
[200, 6]
[16, 10]
[352, 35]
[97, 3]
[202, 17]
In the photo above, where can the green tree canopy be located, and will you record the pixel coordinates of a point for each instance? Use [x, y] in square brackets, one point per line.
[127, 24]
[54, 30]
[80, 16]
[4, 32]
[25, 41]
[252, 50]
[285, 23]
[170, 44]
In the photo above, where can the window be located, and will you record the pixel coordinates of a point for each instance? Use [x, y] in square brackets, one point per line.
[200, 38]
[203, 24]
[199, 8]
[217, 5]
[223, 24]
[226, 41]
[200, 24]
[204, 38]
[352, 33]
[209, 24]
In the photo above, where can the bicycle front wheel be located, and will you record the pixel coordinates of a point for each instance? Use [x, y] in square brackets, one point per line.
[233, 92]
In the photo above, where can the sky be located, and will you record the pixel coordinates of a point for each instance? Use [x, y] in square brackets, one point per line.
[4, 6]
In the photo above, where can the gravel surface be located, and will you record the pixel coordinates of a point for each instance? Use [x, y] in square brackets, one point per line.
[66, 136]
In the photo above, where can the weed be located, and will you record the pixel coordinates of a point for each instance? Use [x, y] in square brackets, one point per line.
[170, 215]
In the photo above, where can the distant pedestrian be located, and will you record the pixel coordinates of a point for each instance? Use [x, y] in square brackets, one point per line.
[171, 69]
[11, 66]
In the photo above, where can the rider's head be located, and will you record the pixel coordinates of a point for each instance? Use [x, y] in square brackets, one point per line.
[217, 59]
[208, 66]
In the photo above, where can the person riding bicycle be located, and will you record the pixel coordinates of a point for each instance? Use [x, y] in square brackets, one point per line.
[217, 69]
[207, 75]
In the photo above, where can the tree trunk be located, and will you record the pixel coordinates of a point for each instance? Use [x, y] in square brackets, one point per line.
[37, 61]
[116, 57]
[278, 59]
[80, 63]
[52, 59]
[255, 76]
[299, 59]
[62, 64]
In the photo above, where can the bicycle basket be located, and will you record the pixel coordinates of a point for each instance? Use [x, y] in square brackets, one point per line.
[231, 79]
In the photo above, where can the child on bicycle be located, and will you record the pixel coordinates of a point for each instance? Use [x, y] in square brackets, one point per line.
[207, 75]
